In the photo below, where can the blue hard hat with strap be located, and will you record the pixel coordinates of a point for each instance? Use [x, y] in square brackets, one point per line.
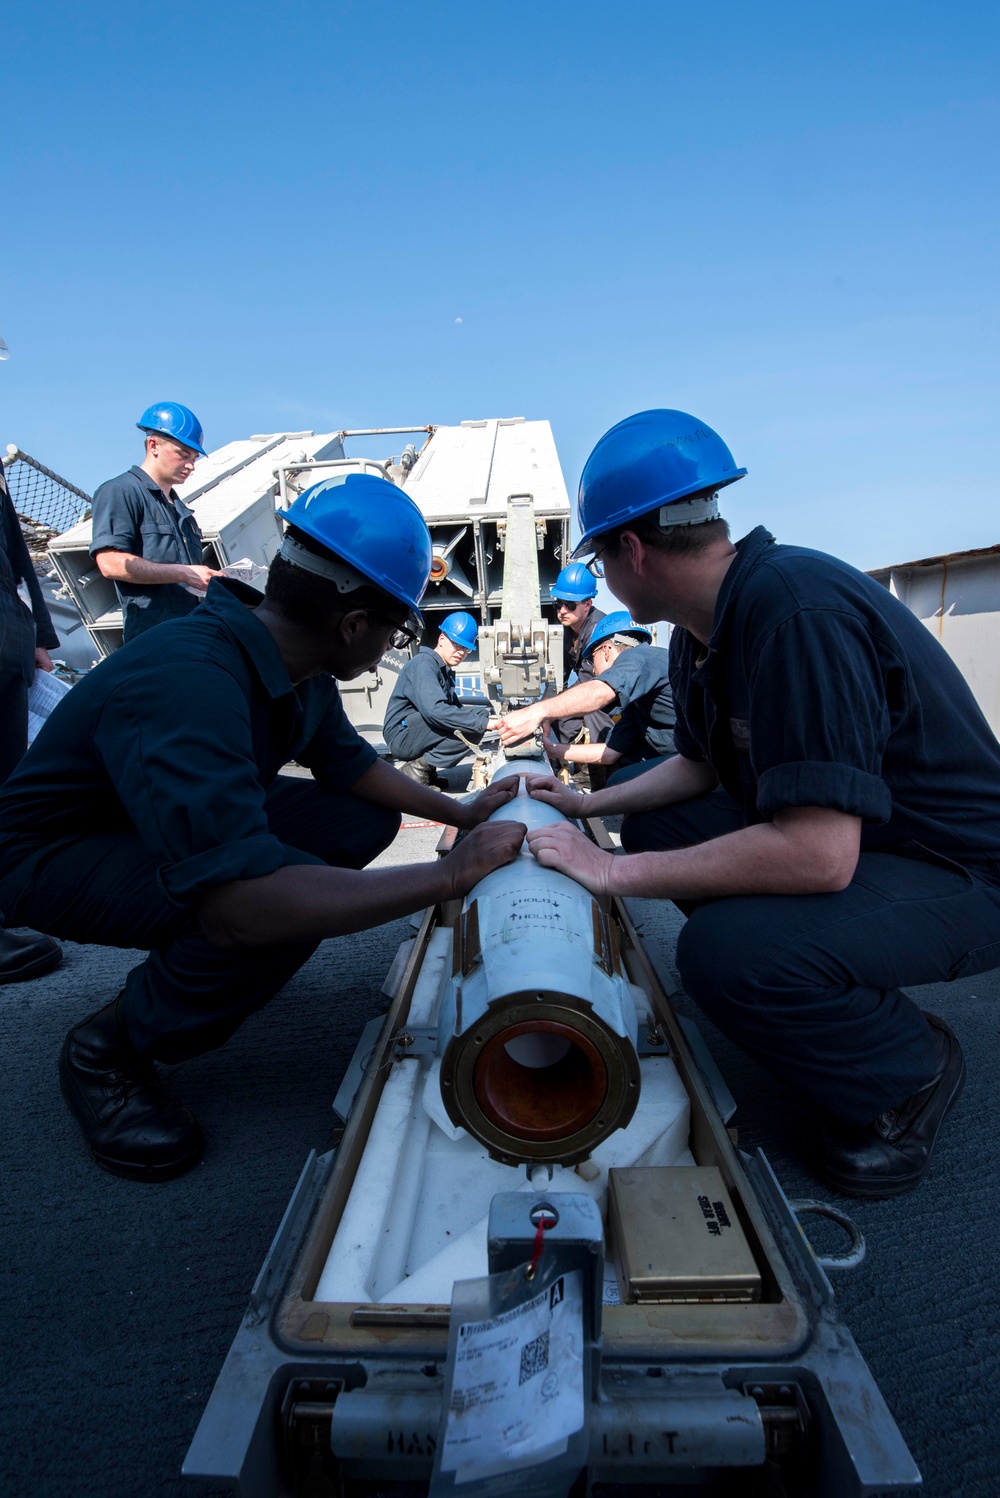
[171, 419]
[371, 525]
[665, 461]
[461, 629]
[618, 623]
[574, 584]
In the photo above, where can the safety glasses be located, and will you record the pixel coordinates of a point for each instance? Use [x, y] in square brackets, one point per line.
[401, 636]
[592, 560]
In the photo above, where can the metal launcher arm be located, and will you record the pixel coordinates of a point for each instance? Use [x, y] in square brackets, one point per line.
[521, 653]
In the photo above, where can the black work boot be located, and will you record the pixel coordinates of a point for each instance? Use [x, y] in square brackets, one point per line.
[416, 769]
[131, 1127]
[423, 773]
[893, 1154]
[23, 957]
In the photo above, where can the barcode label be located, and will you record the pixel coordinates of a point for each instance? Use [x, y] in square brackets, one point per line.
[534, 1357]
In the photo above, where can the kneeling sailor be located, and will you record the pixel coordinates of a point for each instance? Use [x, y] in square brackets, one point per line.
[630, 673]
[573, 594]
[150, 811]
[637, 673]
[427, 725]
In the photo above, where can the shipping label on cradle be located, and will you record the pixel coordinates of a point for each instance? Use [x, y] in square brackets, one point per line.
[514, 1389]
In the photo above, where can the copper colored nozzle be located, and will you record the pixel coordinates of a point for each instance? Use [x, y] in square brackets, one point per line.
[535, 1101]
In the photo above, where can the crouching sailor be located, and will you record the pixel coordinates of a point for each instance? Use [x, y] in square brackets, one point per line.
[427, 726]
[150, 811]
[573, 594]
[831, 821]
[631, 676]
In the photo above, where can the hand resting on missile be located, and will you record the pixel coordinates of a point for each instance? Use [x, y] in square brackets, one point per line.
[484, 849]
[490, 800]
[385, 786]
[547, 788]
[563, 847]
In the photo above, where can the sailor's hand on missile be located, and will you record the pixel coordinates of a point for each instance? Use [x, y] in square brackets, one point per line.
[552, 746]
[518, 725]
[547, 788]
[565, 848]
[481, 807]
[486, 848]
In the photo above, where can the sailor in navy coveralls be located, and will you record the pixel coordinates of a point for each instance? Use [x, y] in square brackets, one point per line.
[831, 821]
[150, 812]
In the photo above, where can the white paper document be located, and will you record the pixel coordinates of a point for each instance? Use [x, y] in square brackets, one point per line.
[517, 1386]
[44, 694]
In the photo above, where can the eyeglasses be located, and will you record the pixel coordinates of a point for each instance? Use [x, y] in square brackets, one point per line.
[401, 635]
[592, 560]
[596, 563]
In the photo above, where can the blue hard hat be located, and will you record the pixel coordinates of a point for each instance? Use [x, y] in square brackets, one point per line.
[574, 584]
[173, 420]
[649, 460]
[372, 525]
[461, 629]
[618, 623]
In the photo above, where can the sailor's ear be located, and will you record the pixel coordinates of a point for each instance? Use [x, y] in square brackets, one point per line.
[632, 550]
[353, 625]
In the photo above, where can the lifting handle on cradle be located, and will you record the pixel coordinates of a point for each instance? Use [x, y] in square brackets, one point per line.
[847, 1258]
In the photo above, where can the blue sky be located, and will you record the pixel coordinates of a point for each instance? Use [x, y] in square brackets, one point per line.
[782, 218]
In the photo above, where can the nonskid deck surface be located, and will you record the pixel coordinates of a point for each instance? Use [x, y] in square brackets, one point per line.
[122, 1300]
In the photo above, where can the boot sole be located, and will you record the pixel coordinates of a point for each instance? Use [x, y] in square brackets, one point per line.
[36, 969]
[896, 1185]
[147, 1173]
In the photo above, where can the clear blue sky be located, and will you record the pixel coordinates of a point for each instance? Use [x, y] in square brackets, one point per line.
[781, 217]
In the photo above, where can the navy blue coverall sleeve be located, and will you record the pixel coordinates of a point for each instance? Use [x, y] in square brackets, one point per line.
[819, 719]
[337, 754]
[190, 790]
[625, 677]
[448, 717]
[640, 680]
[116, 523]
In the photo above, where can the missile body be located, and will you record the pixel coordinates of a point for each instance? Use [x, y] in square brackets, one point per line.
[537, 1026]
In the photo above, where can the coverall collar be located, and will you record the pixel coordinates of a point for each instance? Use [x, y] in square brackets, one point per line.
[148, 482]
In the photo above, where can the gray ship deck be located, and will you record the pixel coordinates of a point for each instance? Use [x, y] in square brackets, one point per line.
[121, 1300]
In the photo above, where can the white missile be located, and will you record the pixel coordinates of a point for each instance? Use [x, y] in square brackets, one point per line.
[538, 1024]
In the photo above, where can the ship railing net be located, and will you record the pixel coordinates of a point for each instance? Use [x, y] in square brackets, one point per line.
[46, 503]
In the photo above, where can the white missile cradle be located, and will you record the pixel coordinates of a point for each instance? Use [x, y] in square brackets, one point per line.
[416, 1218]
[336, 1379]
